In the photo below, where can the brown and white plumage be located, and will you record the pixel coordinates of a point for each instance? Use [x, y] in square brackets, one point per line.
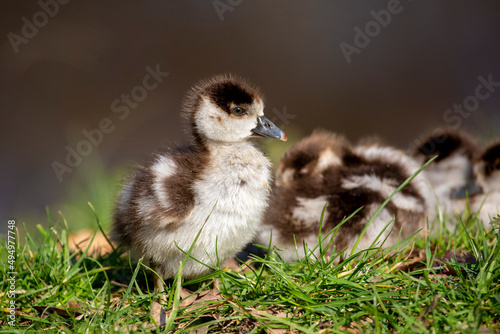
[325, 169]
[487, 172]
[452, 171]
[221, 179]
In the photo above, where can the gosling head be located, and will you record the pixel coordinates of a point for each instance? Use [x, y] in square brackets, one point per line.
[308, 159]
[456, 152]
[226, 109]
[487, 168]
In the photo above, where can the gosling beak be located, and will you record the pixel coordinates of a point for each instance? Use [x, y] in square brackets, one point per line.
[470, 189]
[266, 128]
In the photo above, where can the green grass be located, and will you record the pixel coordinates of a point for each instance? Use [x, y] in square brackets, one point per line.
[418, 286]
[63, 290]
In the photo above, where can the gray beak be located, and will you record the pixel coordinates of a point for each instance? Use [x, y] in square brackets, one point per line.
[266, 128]
[470, 189]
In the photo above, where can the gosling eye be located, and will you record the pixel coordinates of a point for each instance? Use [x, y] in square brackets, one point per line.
[489, 169]
[238, 111]
[300, 174]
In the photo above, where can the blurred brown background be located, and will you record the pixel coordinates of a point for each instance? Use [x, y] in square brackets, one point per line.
[69, 73]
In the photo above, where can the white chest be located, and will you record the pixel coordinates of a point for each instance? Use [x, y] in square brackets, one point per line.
[234, 191]
[230, 199]
[236, 179]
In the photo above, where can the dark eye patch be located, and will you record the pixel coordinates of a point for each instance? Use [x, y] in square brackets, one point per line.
[443, 147]
[225, 94]
[491, 158]
[492, 167]
[299, 174]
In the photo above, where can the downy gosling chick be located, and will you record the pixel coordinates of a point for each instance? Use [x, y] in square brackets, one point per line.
[452, 171]
[487, 171]
[221, 183]
[325, 169]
